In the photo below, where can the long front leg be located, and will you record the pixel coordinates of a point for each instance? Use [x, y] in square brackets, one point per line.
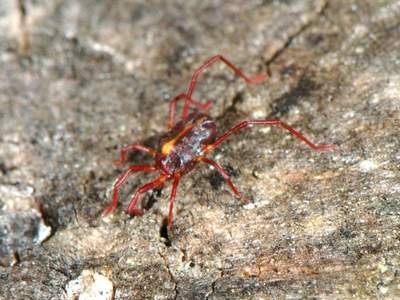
[208, 63]
[276, 122]
[120, 181]
[223, 173]
[132, 210]
[172, 107]
[130, 148]
[172, 199]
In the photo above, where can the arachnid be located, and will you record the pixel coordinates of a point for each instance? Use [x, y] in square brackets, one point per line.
[188, 142]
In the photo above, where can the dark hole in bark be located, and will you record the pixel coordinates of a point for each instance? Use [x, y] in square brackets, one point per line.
[164, 232]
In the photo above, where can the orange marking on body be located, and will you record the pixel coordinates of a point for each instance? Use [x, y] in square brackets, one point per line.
[168, 146]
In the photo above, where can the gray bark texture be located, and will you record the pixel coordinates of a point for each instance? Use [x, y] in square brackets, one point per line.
[81, 79]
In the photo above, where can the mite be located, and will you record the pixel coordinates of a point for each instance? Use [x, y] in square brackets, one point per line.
[188, 142]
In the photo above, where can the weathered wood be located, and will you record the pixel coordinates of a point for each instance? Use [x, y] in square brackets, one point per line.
[97, 75]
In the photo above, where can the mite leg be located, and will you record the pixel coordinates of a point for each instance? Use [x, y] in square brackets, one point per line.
[130, 148]
[204, 66]
[172, 107]
[223, 173]
[120, 181]
[172, 199]
[276, 122]
[132, 210]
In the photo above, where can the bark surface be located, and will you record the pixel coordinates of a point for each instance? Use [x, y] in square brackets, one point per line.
[81, 79]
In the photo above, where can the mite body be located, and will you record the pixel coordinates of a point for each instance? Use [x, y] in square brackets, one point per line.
[188, 142]
[182, 147]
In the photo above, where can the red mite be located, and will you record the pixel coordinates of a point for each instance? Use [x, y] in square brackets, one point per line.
[187, 142]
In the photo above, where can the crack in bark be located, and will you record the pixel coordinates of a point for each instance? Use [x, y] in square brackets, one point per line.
[221, 273]
[23, 39]
[172, 277]
[238, 97]
[295, 34]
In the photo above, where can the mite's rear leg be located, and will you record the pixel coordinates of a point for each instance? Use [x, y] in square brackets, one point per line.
[172, 107]
[275, 122]
[132, 210]
[120, 181]
[223, 173]
[208, 63]
[130, 148]
[172, 199]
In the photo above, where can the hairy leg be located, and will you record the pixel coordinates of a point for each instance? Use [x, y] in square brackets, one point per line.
[132, 210]
[172, 199]
[275, 122]
[172, 107]
[223, 173]
[120, 181]
[204, 66]
[130, 148]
